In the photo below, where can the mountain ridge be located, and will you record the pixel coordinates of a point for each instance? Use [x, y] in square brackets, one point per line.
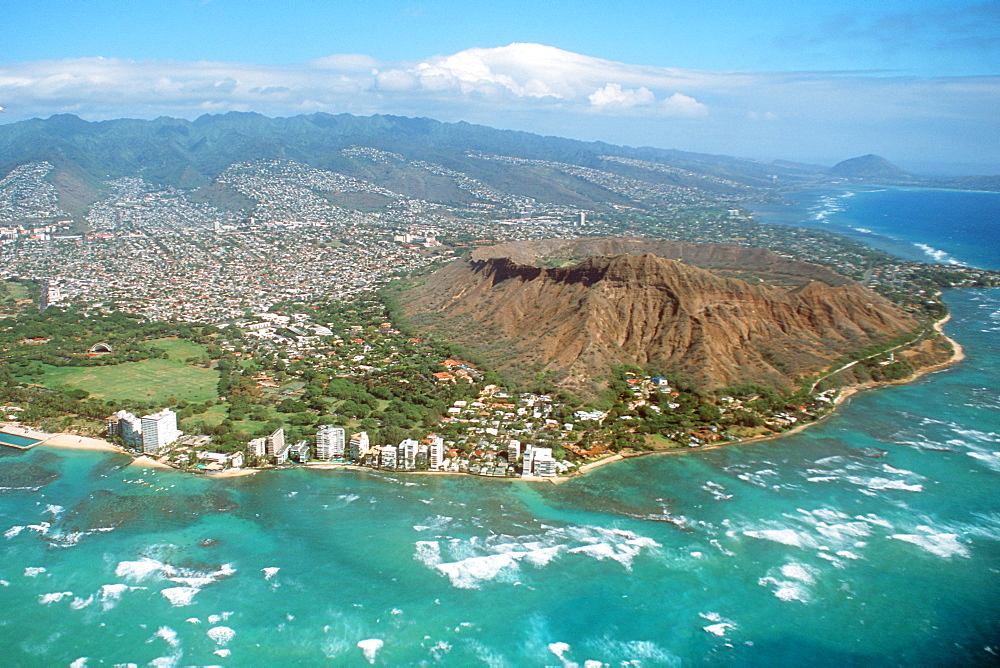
[574, 323]
[189, 154]
[433, 160]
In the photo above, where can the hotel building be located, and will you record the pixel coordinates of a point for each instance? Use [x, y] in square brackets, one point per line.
[158, 431]
[330, 442]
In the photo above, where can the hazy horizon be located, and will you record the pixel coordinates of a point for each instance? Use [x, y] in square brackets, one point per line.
[913, 82]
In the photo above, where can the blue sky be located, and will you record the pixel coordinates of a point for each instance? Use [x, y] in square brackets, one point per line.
[915, 81]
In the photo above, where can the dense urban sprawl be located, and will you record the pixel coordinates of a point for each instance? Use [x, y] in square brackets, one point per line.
[313, 366]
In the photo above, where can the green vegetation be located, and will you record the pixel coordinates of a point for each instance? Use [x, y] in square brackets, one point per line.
[180, 350]
[11, 291]
[18, 296]
[647, 410]
[66, 338]
[157, 381]
[47, 367]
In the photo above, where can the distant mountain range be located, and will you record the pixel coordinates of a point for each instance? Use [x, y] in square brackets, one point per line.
[192, 155]
[184, 153]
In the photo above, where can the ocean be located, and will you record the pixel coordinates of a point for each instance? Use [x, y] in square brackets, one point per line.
[872, 538]
[945, 226]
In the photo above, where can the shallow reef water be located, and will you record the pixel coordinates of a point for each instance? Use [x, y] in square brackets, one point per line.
[872, 538]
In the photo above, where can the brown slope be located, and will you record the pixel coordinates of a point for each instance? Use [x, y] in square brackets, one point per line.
[576, 322]
[714, 257]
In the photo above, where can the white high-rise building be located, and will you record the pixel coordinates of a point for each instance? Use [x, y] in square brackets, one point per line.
[127, 427]
[257, 447]
[436, 453]
[543, 464]
[408, 450]
[277, 448]
[275, 442]
[538, 462]
[158, 431]
[388, 457]
[513, 451]
[330, 442]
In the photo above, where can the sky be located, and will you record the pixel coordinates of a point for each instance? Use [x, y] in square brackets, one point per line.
[915, 81]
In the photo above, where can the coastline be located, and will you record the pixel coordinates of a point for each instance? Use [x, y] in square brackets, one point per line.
[958, 354]
[77, 442]
[58, 440]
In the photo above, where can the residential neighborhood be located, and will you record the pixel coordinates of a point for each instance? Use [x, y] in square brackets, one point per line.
[284, 302]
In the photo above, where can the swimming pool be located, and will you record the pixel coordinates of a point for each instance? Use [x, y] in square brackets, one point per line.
[16, 440]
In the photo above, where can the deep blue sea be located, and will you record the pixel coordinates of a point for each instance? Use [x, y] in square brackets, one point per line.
[944, 226]
[870, 539]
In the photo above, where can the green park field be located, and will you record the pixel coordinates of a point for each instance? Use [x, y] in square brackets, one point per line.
[155, 380]
[16, 290]
[179, 349]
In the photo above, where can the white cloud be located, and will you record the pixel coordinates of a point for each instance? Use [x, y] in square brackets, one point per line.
[524, 70]
[349, 62]
[469, 72]
[395, 80]
[680, 104]
[615, 97]
[519, 75]
[538, 88]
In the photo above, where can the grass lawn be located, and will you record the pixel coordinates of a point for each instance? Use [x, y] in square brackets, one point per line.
[149, 380]
[17, 291]
[750, 432]
[179, 349]
[660, 442]
[213, 416]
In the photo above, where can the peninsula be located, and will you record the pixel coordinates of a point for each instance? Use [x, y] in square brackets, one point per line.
[638, 346]
[442, 296]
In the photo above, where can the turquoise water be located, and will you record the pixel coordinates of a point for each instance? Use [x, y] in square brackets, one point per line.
[17, 440]
[870, 539]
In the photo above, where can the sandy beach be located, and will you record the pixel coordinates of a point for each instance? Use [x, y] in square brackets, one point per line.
[60, 440]
[590, 466]
[231, 473]
[146, 461]
[958, 354]
[20, 430]
[63, 440]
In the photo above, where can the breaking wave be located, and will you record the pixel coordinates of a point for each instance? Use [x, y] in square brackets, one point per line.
[939, 256]
[470, 563]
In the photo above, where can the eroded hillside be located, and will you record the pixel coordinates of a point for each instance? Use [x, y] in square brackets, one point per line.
[715, 314]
